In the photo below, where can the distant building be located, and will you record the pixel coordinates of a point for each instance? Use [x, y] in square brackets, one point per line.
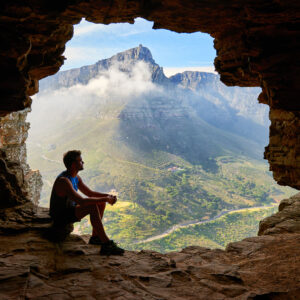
[174, 169]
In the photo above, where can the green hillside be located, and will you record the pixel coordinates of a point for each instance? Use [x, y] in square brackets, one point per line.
[215, 234]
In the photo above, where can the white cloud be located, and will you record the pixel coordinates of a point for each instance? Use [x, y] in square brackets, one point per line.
[169, 71]
[112, 86]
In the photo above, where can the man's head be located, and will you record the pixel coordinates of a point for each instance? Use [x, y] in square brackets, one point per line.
[72, 159]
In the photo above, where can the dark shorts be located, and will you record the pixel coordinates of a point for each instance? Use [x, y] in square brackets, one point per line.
[66, 216]
[70, 216]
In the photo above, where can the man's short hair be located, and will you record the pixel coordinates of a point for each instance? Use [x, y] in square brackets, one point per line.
[70, 157]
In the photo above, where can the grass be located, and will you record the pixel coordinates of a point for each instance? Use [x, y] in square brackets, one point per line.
[229, 228]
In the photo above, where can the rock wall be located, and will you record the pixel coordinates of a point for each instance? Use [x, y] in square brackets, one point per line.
[18, 182]
[283, 152]
[286, 220]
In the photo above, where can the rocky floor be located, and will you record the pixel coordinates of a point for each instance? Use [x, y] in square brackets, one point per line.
[263, 267]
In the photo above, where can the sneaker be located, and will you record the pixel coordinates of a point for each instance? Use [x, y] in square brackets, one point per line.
[95, 240]
[111, 248]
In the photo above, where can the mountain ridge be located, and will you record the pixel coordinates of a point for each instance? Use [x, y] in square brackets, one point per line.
[83, 74]
[125, 59]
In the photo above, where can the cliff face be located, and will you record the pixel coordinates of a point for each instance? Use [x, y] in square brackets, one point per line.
[283, 152]
[124, 61]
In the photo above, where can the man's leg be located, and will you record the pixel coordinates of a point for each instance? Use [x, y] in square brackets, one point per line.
[95, 216]
[101, 207]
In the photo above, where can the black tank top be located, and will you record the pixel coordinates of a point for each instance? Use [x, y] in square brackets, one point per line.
[60, 205]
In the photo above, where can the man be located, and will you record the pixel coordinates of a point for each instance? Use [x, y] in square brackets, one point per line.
[68, 206]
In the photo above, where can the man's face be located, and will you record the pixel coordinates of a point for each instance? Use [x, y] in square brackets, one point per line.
[79, 163]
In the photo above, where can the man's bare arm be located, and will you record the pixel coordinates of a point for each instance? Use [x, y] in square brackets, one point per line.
[87, 191]
[63, 188]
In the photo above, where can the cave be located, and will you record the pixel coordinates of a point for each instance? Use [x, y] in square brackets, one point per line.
[257, 44]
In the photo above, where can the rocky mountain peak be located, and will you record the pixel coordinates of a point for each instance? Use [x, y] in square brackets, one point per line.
[124, 60]
[127, 58]
[139, 53]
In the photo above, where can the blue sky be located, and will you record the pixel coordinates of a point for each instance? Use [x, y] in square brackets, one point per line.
[92, 42]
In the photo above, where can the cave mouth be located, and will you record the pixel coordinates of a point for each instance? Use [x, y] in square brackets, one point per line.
[256, 43]
[244, 195]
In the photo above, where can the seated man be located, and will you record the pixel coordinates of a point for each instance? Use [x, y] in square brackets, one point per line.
[68, 206]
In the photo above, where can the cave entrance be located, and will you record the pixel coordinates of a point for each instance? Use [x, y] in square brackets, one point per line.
[181, 150]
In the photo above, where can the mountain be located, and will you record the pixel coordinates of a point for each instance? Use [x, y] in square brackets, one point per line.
[243, 100]
[232, 109]
[167, 124]
[173, 149]
[124, 60]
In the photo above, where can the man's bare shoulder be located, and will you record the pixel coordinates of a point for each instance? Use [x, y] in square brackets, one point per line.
[62, 185]
[61, 181]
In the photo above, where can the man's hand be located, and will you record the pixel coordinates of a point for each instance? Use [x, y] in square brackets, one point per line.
[111, 199]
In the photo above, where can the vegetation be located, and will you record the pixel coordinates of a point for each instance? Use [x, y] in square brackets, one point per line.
[214, 234]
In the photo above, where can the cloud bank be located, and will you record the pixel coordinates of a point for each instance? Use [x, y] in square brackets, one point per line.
[110, 87]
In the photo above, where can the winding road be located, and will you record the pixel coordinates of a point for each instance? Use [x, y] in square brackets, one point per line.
[197, 222]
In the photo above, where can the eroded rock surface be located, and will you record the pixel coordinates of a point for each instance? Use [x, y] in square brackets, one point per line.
[287, 220]
[31, 267]
[18, 183]
[283, 152]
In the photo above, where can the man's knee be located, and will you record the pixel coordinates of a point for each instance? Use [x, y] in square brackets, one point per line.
[94, 209]
[102, 205]
[82, 211]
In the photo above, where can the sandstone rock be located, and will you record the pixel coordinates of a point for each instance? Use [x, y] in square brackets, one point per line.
[19, 183]
[287, 220]
[283, 152]
[33, 267]
[264, 267]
